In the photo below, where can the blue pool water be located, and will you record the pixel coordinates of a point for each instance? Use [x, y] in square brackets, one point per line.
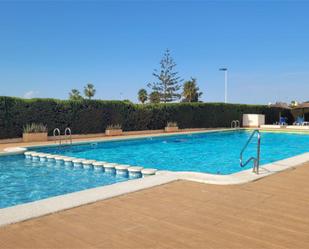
[216, 153]
[23, 180]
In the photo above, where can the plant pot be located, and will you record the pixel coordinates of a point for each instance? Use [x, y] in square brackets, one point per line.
[113, 132]
[35, 137]
[171, 129]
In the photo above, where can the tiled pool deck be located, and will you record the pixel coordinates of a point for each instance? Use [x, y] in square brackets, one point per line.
[269, 213]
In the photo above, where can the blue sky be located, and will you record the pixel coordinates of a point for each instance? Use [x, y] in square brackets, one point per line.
[48, 48]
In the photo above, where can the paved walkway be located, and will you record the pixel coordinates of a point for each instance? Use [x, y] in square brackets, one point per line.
[270, 213]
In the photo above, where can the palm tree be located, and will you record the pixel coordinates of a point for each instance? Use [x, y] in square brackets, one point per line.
[142, 95]
[154, 97]
[75, 95]
[89, 90]
[191, 91]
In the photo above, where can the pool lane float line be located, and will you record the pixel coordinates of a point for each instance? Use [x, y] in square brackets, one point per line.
[35, 156]
[43, 157]
[135, 171]
[148, 172]
[78, 163]
[68, 161]
[28, 154]
[50, 158]
[114, 168]
[110, 168]
[98, 165]
[122, 169]
[87, 164]
[60, 159]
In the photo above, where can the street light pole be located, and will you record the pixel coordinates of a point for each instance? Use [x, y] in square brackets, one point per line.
[225, 83]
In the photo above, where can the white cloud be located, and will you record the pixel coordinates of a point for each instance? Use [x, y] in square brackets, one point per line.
[30, 94]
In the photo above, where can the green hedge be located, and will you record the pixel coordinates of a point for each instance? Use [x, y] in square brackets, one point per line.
[92, 116]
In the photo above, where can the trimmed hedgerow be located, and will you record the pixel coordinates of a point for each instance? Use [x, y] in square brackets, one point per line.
[93, 116]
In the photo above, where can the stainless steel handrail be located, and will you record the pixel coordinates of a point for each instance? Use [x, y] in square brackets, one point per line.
[235, 124]
[57, 130]
[68, 132]
[256, 160]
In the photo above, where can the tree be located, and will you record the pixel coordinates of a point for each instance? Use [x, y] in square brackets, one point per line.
[191, 91]
[294, 103]
[75, 95]
[168, 81]
[154, 97]
[142, 96]
[89, 90]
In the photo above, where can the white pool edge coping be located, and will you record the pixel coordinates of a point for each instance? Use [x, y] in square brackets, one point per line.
[245, 176]
[50, 205]
[19, 150]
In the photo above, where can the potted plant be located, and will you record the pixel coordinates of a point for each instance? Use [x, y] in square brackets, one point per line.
[113, 130]
[171, 127]
[34, 132]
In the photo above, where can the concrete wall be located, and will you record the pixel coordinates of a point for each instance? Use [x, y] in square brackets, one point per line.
[253, 120]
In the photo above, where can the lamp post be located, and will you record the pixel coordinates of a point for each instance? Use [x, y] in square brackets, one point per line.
[225, 83]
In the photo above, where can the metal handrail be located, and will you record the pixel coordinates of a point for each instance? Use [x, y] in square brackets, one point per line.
[235, 124]
[256, 160]
[68, 132]
[59, 134]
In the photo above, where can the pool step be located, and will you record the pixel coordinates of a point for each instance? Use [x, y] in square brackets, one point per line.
[107, 167]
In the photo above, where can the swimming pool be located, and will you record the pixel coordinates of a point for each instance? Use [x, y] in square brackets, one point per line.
[23, 180]
[212, 152]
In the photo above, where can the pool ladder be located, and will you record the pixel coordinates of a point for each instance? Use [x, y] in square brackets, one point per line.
[235, 124]
[67, 136]
[256, 159]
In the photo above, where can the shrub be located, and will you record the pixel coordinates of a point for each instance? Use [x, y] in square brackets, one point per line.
[93, 116]
[171, 124]
[113, 127]
[34, 128]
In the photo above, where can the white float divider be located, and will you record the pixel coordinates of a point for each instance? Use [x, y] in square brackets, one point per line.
[135, 171]
[122, 169]
[90, 161]
[110, 168]
[42, 157]
[98, 165]
[78, 162]
[87, 164]
[33, 153]
[68, 161]
[59, 159]
[28, 154]
[35, 156]
[50, 158]
[43, 154]
[148, 172]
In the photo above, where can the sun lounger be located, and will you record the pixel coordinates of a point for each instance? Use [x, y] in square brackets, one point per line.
[300, 121]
